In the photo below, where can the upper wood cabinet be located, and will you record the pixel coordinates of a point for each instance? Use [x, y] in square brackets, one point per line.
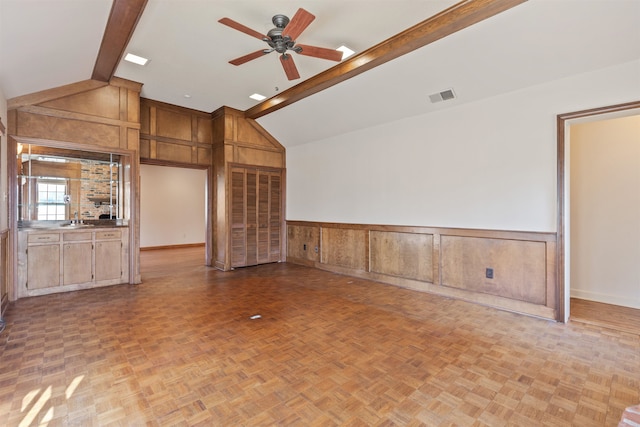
[256, 216]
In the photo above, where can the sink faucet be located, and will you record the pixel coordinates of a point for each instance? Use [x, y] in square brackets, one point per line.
[75, 218]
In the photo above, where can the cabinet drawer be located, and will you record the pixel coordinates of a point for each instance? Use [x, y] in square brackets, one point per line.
[74, 237]
[43, 238]
[106, 235]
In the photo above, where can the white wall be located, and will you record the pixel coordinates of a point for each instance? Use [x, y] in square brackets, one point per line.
[490, 164]
[172, 206]
[605, 211]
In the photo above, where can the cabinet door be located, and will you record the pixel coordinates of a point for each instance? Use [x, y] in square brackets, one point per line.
[108, 260]
[76, 264]
[43, 266]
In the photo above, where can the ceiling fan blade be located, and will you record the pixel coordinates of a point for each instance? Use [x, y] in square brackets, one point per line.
[248, 57]
[289, 67]
[237, 26]
[320, 52]
[298, 23]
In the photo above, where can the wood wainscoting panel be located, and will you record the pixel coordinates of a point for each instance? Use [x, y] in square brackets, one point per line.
[344, 247]
[303, 243]
[407, 255]
[446, 261]
[518, 266]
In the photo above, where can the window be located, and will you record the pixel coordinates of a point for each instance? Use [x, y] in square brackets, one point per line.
[51, 199]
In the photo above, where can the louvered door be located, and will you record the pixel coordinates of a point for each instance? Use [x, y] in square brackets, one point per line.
[256, 215]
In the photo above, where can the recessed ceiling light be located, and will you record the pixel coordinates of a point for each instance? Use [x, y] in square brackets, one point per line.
[136, 59]
[258, 97]
[187, 95]
[346, 52]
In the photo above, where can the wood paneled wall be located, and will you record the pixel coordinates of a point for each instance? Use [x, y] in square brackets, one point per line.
[88, 115]
[169, 133]
[238, 141]
[173, 135]
[449, 262]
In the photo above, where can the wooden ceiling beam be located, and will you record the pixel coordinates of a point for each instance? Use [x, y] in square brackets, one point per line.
[449, 21]
[122, 21]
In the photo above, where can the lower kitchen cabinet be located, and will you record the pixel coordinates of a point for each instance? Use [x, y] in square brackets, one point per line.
[66, 260]
[44, 269]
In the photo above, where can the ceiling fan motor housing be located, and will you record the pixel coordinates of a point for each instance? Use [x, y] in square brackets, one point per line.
[274, 36]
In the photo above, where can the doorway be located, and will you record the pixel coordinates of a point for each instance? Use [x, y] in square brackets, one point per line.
[173, 207]
[592, 275]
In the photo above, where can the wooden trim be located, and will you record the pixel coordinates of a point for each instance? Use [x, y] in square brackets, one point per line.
[467, 232]
[125, 84]
[170, 163]
[122, 21]
[5, 280]
[186, 245]
[73, 146]
[49, 112]
[55, 93]
[175, 108]
[561, 123]
[445, 23]
[175, 141]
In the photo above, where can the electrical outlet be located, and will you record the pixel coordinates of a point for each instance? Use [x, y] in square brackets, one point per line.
[304, 247]
[316, 249]
[489, 273]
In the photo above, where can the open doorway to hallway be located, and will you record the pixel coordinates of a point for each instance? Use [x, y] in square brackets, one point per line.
[173, 207]
[601, 221]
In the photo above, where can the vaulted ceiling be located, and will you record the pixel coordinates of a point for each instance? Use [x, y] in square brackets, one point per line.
[50, 43]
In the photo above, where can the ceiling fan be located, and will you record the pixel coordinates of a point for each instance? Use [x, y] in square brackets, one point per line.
[282, 39]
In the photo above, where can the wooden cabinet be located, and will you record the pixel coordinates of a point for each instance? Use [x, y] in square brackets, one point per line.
[77, 251]
[66, 260]
[256, 216]
[44, 269]
[108, 255]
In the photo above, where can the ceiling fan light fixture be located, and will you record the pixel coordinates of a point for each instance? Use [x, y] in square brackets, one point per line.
[130, 57]
[346, 52]
[258, 97]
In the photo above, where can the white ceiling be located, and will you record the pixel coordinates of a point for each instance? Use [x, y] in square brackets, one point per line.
[49, 43]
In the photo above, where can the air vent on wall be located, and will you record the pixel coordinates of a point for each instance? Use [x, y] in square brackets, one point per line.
[445, 95]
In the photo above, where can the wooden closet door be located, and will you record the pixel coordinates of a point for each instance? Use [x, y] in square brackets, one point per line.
[252, 218]
[256, 215]
[263, 218]
[275, 217]
[238, 214]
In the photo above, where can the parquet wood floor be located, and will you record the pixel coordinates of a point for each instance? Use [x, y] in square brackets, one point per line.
[605, 315]
[181, 349]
